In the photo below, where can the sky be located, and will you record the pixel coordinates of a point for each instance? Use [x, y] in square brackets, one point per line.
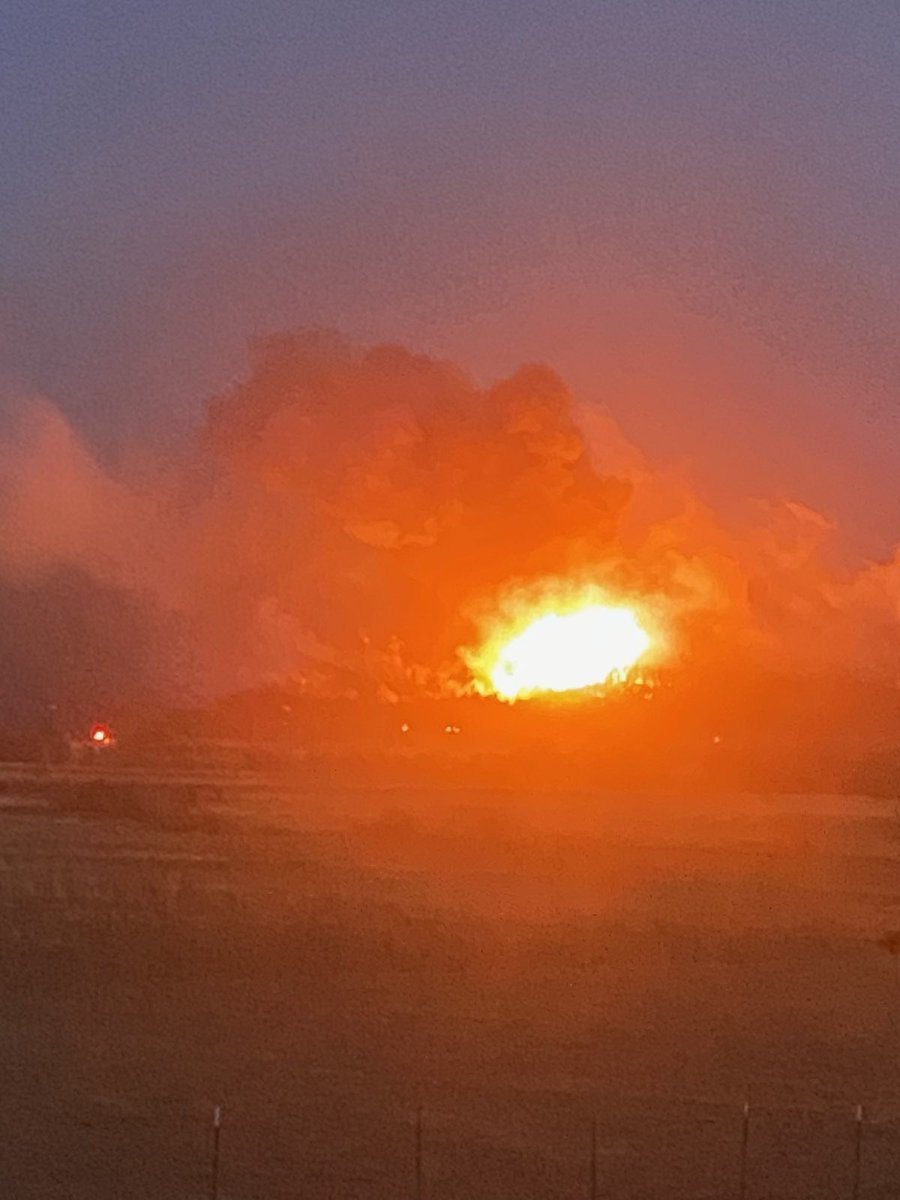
[688, 209]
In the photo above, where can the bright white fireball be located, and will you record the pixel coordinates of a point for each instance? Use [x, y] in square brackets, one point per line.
[564, 652]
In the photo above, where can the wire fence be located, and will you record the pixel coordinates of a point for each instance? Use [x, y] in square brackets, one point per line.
[756, 1152]
[341, 1148]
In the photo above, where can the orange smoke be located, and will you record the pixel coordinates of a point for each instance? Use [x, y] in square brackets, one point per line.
[367, 521]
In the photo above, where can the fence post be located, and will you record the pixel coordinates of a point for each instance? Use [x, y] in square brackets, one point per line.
[214, 1160]
[745, 1143]
[420, 1183]
[593, 1171]
[857, 1152]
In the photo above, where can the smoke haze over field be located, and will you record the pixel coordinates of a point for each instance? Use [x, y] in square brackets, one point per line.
[350, 516]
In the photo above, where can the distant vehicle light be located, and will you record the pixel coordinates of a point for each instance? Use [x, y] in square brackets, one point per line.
[101, 735]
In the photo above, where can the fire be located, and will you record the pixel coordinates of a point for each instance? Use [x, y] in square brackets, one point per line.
[568, 650]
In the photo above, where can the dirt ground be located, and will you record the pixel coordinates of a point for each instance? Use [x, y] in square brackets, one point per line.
[323, 965]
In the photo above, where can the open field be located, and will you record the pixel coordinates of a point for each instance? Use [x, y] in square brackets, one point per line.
[321, 963]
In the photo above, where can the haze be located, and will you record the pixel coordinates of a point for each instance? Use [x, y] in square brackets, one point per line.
[687, 209]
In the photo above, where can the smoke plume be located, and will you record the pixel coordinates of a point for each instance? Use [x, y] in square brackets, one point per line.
[348, 516]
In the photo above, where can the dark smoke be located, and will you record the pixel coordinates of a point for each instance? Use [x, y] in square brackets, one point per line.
[347, 515]
[376, 492]
[74, 649]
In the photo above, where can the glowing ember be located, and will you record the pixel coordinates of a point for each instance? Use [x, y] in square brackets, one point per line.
[561, 652]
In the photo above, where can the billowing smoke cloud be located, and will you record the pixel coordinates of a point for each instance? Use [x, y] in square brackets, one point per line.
[81, 620]
[385, 493]
[348, 515]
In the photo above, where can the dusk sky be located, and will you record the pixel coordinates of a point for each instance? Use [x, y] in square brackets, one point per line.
[688, 209]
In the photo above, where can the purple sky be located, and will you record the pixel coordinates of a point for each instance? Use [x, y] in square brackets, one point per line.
[688, 208]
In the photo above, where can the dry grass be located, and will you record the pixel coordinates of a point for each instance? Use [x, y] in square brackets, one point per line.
[321, 964]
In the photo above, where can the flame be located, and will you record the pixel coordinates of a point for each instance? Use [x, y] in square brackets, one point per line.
[562, 651]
